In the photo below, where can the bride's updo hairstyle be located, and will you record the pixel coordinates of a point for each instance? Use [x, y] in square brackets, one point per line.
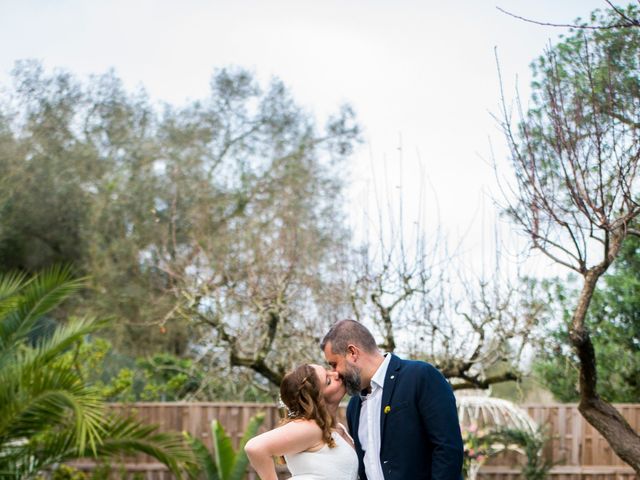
[301, 393]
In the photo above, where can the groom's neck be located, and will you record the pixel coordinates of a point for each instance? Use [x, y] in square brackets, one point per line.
[370, 364]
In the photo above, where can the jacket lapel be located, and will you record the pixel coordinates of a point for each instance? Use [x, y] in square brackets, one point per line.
[354, 414]
[390, 381]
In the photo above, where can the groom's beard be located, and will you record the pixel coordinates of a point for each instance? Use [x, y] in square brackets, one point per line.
[352, 380]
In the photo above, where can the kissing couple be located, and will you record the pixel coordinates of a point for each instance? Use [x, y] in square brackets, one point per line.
[402, 417]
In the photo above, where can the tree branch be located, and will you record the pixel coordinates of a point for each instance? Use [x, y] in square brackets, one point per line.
[628, 23]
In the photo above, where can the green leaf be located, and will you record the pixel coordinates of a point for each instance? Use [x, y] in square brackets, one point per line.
[242, 461]
[206, 463]
[224, 453]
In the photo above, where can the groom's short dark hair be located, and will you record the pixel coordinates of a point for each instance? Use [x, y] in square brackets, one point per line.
[345, 332]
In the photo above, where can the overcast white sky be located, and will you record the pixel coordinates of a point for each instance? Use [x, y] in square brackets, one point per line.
[420, 70]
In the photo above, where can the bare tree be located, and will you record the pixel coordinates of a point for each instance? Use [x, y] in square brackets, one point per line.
[267, 312]
[474, 330]
[421, 302]
[575, 156]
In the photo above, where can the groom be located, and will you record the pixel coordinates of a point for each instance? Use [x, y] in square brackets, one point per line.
[402, 413]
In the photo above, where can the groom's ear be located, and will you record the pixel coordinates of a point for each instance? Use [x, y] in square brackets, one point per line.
[352, 352]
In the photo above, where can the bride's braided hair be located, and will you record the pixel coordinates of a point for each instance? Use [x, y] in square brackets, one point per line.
[301, 392]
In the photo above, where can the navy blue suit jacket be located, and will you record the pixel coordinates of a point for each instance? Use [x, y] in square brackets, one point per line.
[419, 430]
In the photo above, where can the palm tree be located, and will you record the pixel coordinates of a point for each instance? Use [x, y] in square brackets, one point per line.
[48, 414]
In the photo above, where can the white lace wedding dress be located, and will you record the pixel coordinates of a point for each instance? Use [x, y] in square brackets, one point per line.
[338, 463]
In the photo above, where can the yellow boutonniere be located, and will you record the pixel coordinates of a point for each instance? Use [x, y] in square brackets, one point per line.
[387, 409]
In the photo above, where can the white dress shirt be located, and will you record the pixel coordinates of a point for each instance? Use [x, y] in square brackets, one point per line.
[369, 427]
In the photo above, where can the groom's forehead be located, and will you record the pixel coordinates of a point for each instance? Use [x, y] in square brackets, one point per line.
[328, 352]
[332, 358]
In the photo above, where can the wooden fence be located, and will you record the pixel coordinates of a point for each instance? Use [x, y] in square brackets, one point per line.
[576, 448]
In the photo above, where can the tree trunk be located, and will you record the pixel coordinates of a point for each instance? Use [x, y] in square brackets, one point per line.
[624, 441]
[614, 428]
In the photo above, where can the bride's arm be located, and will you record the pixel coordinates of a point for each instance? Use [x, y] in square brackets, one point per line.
[294, 437]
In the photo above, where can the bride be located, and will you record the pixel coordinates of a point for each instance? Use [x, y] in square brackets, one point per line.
[314, 445]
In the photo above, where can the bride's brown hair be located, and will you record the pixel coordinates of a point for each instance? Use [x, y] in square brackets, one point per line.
[301, 392]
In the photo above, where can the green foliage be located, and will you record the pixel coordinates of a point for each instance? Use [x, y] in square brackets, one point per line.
[480, 444]
[225, 463]
[159, 377]
[532, 443]
[93, 360]
[48, 414]
[65, 472]
[165, 207]
[601, 62]
[614, 323]
[168, 378]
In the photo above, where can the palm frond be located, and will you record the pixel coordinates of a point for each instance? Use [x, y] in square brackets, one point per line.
[10, 285]
[128, 436]
[25, 459]
[79, 408]
[28, 376]
[47, 412]
[47, 349]
[37, 296]
[64, 337]
[122, 436]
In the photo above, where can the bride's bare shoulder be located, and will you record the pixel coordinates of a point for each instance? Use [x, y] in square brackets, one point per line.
[303, 426]
[301, 422]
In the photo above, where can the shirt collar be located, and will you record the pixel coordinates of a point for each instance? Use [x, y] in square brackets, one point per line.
[377, 381]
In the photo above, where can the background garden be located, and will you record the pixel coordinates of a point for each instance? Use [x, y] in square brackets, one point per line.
[192, 255]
